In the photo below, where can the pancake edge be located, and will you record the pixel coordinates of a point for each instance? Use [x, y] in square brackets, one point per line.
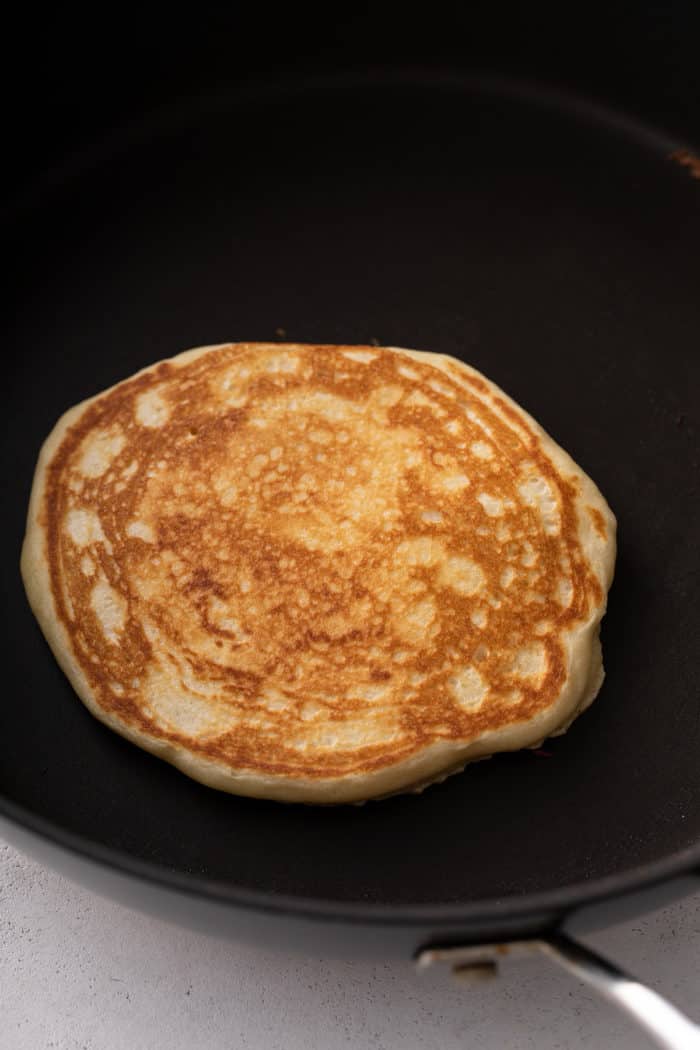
[433, 763]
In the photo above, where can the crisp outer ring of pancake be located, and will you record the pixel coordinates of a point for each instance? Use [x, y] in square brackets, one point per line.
[584, 672]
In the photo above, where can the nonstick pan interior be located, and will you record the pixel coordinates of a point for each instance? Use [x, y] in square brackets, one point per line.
[548, 245]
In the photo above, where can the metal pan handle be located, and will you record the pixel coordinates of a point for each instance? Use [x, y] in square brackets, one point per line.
[665, 1024]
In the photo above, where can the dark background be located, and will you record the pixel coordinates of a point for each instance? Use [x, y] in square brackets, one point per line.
[67, 75]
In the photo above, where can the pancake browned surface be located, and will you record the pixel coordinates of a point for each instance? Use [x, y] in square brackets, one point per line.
[318, 573]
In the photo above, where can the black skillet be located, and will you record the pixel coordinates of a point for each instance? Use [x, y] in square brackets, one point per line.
[547, 241]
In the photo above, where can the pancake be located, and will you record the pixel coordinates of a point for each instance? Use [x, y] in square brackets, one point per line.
[318, 573]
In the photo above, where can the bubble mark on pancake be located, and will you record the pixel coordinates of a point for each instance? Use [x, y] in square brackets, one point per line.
[151, 408]
[98, 451]
[110, 609]
[468, 687]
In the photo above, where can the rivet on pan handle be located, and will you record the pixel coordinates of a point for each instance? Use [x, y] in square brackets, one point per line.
[666, 1025]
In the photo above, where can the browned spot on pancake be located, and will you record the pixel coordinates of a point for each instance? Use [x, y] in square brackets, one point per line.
[477, 384]
[598, 522]
[510, 413]
[317, 551]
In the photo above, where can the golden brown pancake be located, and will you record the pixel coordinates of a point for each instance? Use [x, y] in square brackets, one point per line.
[318, 573]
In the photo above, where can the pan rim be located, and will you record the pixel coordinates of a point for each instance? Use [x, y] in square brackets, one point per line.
[269, 88]
[555, 902]
[558, 902]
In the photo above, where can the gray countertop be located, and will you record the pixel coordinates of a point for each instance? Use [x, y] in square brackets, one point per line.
[78, 972]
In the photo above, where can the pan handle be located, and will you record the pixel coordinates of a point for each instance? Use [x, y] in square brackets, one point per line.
[662, 1021]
